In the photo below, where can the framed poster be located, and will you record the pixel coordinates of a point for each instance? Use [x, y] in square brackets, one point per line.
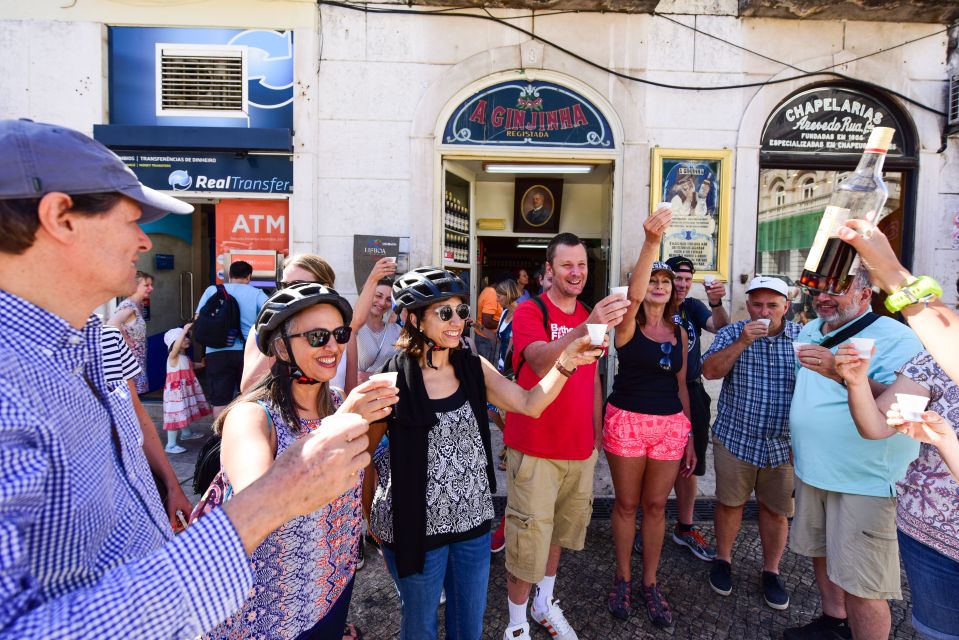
[537, 205]
[697, 183]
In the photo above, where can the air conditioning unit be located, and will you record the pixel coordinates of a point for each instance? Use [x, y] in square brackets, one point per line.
[952, 105]
[201, 81]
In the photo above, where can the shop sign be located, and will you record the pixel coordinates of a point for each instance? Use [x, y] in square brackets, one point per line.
[211, 171]
[259, 227]
[539, 114]
[829, 120]
[367, 251]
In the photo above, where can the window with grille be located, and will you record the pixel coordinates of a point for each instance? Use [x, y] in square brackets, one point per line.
[201, 81]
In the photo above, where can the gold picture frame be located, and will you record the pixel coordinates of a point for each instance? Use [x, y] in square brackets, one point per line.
[698, 185]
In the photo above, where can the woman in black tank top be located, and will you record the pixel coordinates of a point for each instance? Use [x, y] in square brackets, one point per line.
[646, 431]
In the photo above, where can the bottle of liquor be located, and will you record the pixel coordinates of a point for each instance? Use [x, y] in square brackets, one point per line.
[831, 263]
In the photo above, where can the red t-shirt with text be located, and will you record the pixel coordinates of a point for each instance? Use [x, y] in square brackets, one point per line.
[564, 431]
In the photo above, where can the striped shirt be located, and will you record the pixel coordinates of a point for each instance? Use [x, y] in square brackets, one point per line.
[119, 363]
[753, 416]
[86, 550]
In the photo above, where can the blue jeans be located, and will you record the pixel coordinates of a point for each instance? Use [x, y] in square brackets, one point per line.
[934, 583]
[463, 569]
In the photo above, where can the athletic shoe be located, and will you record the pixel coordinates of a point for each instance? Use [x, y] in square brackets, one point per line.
[695, 542]
[191, 436]
[721, 577]
[821, 628]
[620, 602]
[175, 449]
[638, 541]
[517, 632]
[656, 607]
[360, 555]
[497, 541]
[774, 592]
[554, 621]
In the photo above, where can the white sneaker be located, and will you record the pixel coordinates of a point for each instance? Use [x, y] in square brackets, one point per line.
[517, 632]
[554, 621]
[174, 449]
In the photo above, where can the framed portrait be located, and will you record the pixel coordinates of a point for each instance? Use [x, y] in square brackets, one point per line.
[697, 183]
[537, 205]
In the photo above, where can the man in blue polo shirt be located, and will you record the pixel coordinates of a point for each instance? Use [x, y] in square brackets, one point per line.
[224, 366]
[846, 485]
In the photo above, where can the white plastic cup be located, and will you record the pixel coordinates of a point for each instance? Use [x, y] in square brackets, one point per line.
[663, 205]
[391, 259]
[619, 291]
[911, 407]
[596, 333]
[765, 321]
[799, 345]
[709, 280]
[389, 376]
[863, 346]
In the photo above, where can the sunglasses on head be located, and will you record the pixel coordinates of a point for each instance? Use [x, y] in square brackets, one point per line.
[319, 337]
[283, 285]
[446, 311]
[665, 363]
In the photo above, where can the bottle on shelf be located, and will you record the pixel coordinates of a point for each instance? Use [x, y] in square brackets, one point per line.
[830, 266]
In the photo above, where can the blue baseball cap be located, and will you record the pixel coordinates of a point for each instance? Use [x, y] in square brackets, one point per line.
[43, 158]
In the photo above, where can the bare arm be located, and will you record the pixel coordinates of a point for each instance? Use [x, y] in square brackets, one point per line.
[681, 377]
[383, 268]
[248, 446]
[120, 318]
[255, 364]
[159, 464]
[510, 396]
[377, 429]
[718, 364]
[719, 317]
[597, 412]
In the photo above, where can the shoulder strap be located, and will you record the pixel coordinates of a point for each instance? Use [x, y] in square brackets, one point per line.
[849, 331]
[269, 418]
[542, 307]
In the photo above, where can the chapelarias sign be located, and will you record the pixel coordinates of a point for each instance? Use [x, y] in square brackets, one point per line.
[539, 114]
[831, 120]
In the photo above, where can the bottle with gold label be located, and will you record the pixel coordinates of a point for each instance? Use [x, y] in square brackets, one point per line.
[831, 264]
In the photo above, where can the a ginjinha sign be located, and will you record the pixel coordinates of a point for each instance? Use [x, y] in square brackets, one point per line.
[528, 113]
[829, 120]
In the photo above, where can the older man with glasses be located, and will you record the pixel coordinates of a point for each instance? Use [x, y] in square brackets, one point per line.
[751, 448]
[846, 485]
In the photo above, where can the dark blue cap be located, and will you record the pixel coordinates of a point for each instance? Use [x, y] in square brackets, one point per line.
[43, 158]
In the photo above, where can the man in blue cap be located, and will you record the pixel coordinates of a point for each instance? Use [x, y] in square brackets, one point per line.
[85, 546]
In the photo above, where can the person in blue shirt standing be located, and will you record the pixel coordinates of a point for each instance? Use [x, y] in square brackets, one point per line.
[846, 485]
[224, 366]
[695, 317]
[751, 448]
[86, 549]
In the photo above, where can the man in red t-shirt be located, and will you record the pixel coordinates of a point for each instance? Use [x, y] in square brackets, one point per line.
[551, 458]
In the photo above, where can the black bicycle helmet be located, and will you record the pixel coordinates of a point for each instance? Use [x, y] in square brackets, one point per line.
[426, 285]
[289, 301]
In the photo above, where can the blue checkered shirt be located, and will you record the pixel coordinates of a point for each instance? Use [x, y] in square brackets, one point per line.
[86, 550]
[753, 416]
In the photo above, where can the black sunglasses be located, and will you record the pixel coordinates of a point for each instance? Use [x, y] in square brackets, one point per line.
[446, 311]
[665, 363]
[283, 285]
[815, 292]
[319, 337]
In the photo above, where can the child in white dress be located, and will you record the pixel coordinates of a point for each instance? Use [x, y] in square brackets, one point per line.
[183, 399]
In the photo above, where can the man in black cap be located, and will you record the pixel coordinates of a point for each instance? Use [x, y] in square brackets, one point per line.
[695, 317]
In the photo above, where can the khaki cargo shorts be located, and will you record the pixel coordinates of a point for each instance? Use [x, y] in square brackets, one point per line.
[548, 502]
[736, 480]
[857, 536]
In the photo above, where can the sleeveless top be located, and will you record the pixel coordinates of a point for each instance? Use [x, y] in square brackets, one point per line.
[136, 330]
[643, 382]
[301, 569]
[373, 348]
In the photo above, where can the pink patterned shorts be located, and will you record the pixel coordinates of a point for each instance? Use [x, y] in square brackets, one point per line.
[635, 435]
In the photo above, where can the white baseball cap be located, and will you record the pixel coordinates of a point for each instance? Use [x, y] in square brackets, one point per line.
[765, 282]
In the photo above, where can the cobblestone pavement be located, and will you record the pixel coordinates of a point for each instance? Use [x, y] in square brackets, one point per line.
[584, 578]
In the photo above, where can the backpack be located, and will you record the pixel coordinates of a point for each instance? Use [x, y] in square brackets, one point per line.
[218, 323]
[542, 307]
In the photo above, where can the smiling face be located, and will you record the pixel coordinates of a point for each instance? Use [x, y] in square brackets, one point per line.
[443, 333]
[660, 288]
[108, 248]
[318, 363]
[568, 270]
[836, 311]
[382, 301]
[682, 283]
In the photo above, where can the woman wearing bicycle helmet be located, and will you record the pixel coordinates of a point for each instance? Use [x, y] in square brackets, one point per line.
[432, 506]
[303, 572]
